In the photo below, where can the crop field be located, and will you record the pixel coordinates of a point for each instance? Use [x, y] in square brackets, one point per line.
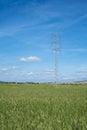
[43, 107]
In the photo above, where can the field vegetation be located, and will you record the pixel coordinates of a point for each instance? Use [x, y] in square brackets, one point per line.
[43, 107]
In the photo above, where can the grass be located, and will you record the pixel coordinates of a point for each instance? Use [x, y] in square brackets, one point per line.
[43, 107]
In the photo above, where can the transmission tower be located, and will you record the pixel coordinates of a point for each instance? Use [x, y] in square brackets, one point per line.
[56, 52]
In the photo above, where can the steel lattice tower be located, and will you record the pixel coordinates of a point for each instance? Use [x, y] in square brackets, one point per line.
[56, 52]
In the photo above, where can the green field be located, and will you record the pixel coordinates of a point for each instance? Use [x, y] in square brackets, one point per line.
[43, 107]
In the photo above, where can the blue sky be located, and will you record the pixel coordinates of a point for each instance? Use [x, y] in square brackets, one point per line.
[27, 29]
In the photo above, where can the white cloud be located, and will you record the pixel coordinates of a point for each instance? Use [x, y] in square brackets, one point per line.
[49, 71]
[7, 70]
[27, 73]
[82, 71]
[29, 76]
[14, 67]
[30, 59]
[4, 70]
[76, 76]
